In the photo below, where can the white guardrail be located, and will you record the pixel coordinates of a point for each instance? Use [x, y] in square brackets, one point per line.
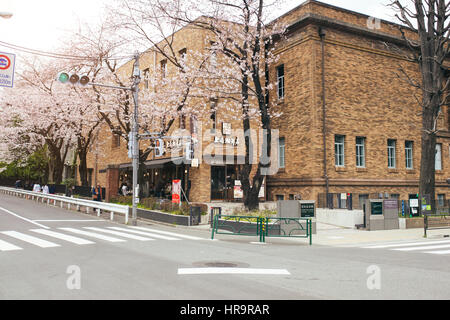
[69, 202]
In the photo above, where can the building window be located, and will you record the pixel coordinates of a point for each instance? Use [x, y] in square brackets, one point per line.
[214, 115]
[360, 152]
[182, 121]
[438, 165]
[409, 154]
[146, 78]
[339, 149]
[280, 81]
[282, 153]
[279, 197]
[163, 69]
[391, 154]
[441, 200]
[115, 140]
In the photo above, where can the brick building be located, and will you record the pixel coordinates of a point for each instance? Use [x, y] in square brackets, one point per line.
[349, 126]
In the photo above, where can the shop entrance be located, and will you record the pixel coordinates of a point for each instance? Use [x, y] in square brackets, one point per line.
[223, 179]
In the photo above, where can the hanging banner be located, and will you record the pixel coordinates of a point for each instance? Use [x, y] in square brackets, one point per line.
[7, 64]
[176, 191]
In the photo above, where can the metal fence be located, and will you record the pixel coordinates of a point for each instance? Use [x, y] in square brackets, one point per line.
[262, 227]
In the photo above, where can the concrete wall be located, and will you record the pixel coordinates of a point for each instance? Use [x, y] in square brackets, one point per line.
[341, 218]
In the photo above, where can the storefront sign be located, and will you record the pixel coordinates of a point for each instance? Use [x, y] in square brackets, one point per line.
[238, 193]
[226, 128]
[176, 191]
[234, 141]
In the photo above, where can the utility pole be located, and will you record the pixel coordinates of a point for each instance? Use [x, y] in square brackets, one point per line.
[135, 135]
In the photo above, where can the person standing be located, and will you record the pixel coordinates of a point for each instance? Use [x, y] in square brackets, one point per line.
[45, 189]
[97, 193]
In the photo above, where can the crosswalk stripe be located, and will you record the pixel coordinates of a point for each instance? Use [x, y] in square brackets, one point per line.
[409, 244]
[440, 252]
[30, 239]
[64, 237]
[93, 235]
[121, 234]
[168, 233]
[424, 248]
[5, 246]
[157, 236]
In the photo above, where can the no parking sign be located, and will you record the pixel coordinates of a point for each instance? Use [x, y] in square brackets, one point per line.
[7, 64]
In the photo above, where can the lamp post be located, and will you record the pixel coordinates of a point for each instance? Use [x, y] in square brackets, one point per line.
[5, 15]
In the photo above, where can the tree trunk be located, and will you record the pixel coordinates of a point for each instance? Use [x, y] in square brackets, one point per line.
[83, 169]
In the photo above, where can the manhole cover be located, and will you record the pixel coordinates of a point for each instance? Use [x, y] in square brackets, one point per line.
[220, 264]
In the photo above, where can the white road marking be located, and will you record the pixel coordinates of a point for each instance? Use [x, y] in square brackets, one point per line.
[199, 271]
[409, 244]
[157, 236]
[64, 237]
[93, 235]
[169, 233]
[121, 234]
[69, 220]
[25, 219]
[424, 248]
[440, 252]
[30, 239]
[5, 246]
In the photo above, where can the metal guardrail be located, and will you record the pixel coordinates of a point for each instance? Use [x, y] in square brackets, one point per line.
[262, 227]
[436, 221]
[69, 201]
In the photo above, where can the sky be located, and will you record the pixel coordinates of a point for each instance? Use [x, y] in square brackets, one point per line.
[43, 24]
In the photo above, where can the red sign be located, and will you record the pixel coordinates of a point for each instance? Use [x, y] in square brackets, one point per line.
[5, 62]
[176, 191]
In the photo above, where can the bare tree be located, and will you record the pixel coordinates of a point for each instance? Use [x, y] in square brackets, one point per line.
[429, 47]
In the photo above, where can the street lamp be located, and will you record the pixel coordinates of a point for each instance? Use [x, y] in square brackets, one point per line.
[6, 15]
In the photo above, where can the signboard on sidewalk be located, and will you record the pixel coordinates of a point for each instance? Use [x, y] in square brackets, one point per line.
[7, 64]
[176, 191]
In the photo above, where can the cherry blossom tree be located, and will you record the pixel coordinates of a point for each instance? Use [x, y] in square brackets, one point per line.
[240, 49]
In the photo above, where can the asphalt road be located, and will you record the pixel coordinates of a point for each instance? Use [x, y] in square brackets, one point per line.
[170, 266]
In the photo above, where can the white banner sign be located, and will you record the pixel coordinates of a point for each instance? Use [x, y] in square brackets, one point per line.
[7, 64]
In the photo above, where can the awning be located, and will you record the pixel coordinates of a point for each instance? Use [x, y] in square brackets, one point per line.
[158, 163]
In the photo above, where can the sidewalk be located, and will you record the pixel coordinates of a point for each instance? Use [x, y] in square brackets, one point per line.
[332, 235]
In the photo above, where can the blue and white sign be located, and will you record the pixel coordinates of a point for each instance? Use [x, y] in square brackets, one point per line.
[7, 64]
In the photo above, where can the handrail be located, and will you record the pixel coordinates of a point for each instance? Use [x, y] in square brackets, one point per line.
[110, 207]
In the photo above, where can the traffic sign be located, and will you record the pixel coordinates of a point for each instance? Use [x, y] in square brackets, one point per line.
[7, 64]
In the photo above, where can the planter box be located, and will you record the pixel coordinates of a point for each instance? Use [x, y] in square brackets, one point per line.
[414, 223]
[163, 217]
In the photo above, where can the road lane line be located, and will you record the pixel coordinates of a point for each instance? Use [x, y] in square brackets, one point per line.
[407, 244]
[30, 239]
[424, 248]
[93, 235]
[120, 234]
[25, 219]
[200, 271]
[157, 236]
[440, 252]
[169, 233]
[5, 246]
[62, 236]
[69, 220]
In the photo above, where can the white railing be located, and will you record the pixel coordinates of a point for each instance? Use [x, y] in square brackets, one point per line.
[69, 202]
